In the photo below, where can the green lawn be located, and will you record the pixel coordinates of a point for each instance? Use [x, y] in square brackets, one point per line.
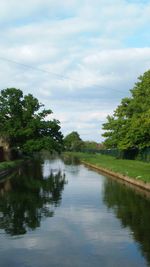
[131, 168]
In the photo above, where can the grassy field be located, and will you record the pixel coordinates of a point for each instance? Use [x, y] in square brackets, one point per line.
[131, 168]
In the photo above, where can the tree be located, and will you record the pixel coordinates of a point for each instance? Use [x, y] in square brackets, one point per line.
[129, 126]
[24, 122]
[73, 142]
[92, 145]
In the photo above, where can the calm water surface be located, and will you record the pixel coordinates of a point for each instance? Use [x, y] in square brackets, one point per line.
[56, 214]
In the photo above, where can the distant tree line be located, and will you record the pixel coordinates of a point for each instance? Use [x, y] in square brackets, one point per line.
[73, 142]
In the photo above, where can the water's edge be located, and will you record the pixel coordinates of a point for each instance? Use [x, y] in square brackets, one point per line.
[140, 184]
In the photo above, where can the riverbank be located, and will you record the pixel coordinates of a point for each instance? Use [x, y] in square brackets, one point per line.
[132, 171]
[7, 166]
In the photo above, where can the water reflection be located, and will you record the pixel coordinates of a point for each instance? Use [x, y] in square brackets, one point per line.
[85, 221]
[28, 197]
[132, 210]
[70, 160]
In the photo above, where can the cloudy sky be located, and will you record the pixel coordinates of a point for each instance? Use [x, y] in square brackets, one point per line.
[84, 55]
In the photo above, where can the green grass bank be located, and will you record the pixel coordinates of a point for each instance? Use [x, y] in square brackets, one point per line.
[134, 169]
[7, 166]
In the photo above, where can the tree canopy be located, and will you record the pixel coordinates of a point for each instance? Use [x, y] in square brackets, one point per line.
[24, 122]
[129, 126]
[73, 142]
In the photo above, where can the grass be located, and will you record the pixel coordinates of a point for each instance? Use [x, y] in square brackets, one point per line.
[9, 164]
[132, 168]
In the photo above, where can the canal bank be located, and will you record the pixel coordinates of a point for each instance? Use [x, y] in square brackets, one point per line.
[7, 167]
[134, 172]
[138, 183]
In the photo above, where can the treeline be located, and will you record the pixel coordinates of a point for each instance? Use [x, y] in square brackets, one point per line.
[128, 129]
[25, 125]
[73, 142]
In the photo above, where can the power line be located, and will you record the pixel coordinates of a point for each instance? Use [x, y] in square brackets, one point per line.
[62, 77]
[59, 76]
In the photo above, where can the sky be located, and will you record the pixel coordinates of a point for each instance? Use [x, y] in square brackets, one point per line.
[78, 57]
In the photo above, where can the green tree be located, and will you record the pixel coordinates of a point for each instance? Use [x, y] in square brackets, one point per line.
[73, 142]
[25, 124]
[129, 126]
[92, 145]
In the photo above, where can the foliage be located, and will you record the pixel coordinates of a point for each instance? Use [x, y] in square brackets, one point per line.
[92, 145]
[73, 142]
[8, 165]
[23, 121]
[129, 126]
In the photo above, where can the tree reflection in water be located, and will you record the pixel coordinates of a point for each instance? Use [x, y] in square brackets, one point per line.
[28, 197]
[71, 160]
[133, 210]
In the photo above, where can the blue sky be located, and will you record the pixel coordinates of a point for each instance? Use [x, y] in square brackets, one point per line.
[98, 48]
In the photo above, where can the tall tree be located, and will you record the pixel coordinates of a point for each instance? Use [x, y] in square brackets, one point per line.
[73, 142]
[129, 127]
[25, 124]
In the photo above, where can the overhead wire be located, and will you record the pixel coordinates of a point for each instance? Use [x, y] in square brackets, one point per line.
[59, 76]
[38, 69]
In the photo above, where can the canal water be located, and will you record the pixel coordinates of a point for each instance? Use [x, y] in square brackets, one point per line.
[55, 213]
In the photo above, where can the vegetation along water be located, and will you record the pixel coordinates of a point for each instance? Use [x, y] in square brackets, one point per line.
[135, 169]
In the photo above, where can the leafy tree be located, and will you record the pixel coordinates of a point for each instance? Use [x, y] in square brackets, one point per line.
[23, 121]
[73, 142]
[129, 126]
[92, 145]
